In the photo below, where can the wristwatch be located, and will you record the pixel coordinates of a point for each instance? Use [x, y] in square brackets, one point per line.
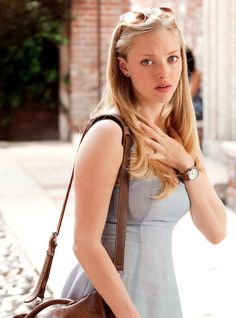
[189, 175]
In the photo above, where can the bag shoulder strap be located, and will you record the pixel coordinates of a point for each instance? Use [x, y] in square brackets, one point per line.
[123, 181]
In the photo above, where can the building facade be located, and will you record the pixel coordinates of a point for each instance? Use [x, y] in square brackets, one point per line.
[209, 29]
[83, 60]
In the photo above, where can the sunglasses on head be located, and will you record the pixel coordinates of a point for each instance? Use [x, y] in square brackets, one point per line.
[136, 17]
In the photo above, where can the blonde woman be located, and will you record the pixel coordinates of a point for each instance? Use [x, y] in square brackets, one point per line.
[147, 85]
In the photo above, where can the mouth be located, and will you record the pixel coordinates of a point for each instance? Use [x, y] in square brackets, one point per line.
[163, 88]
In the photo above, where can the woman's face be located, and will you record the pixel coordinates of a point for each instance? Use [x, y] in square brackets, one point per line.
[154, 65]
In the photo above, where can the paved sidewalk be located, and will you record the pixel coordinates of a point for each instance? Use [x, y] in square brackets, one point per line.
[33, 181]
[18, 276]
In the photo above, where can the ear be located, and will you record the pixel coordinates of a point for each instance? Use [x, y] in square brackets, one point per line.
[123, 66]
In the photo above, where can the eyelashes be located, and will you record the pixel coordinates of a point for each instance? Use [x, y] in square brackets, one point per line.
[146, 62]
[171, 60]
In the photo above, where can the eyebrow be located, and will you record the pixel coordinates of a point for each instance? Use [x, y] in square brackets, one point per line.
[172, 52]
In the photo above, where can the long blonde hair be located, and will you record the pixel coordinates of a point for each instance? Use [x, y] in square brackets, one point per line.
[178, 113]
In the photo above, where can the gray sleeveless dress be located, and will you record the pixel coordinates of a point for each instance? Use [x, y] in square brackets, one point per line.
[148, 270]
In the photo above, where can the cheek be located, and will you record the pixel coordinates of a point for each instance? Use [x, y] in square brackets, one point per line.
[142, 77]
[138, 77]
[177, 72]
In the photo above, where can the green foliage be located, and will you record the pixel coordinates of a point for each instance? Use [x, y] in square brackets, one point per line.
[30, 33]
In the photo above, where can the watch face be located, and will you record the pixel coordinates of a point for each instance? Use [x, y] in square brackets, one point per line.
[193, 173]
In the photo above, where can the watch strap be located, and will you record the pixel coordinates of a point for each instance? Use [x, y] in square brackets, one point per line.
[185, 175]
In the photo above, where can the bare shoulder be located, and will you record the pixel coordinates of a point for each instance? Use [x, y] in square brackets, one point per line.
[107, 131]
[102, 146]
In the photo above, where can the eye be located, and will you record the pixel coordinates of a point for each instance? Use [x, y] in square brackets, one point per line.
[146, 62]
[173, 59]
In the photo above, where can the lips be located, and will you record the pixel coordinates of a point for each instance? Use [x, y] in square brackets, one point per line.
[163, 88]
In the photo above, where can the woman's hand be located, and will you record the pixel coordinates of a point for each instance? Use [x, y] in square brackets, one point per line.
[169, 150]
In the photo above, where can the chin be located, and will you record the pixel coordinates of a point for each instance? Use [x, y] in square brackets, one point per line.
[164, 99]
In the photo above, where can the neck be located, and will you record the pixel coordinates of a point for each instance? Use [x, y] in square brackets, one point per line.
[152, 113]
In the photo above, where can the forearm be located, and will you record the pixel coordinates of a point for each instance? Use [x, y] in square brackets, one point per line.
[105, 278]
[207, 211]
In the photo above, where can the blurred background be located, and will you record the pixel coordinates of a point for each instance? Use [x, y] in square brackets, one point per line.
[52, 64]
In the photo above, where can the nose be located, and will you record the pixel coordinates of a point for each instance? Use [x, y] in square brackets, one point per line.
[163, 71]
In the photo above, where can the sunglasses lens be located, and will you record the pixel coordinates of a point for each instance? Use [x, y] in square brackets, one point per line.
[136, 17]
[133, 17]
[167, 10]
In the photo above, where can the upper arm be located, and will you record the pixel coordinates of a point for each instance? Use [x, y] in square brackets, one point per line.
[97, 164]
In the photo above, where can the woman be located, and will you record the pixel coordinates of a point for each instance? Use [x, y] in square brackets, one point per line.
[147, 85]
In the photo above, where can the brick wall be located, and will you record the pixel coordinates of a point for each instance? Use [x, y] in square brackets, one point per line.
[90, 31]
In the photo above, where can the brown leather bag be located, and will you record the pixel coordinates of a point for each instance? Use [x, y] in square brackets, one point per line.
[92, 305]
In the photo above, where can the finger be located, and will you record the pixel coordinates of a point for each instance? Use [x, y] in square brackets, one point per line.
[174, 134]
[154, 156]
[154, 145]
[157, 129]
[153, 132]
[156, 151]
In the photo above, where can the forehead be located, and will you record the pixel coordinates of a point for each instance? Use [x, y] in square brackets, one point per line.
[156, 42]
